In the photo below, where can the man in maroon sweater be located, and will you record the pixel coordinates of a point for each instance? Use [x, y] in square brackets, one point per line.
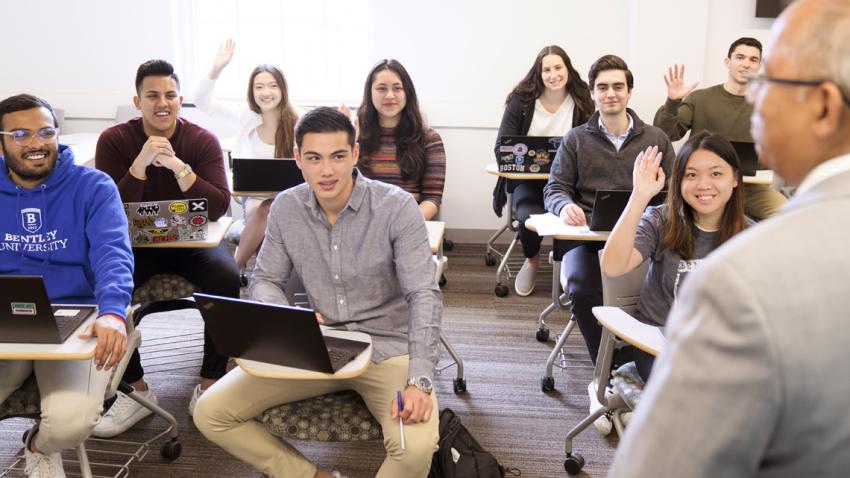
[156, 157]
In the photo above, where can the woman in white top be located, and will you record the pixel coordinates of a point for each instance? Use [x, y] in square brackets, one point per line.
[266, 130]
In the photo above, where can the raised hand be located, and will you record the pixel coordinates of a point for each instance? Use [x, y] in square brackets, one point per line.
[675, 81]
[648, 177]
[222, 57]
[347, 112]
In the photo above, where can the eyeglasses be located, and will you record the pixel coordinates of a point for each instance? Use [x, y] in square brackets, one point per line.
[755, 83]
[23, 137]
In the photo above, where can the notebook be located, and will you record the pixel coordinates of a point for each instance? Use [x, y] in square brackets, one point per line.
[609, 205]
[175, 220]
[273, 333]
[527, 154]
[264, 174]
[27, 316]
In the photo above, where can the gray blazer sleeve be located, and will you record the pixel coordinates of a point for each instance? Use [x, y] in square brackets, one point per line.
[715, 391]
[563, 175]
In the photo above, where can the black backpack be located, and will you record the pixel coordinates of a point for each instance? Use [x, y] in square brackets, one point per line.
[460, 455]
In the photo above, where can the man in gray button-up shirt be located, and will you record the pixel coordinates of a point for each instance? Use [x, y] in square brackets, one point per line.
[361, 249]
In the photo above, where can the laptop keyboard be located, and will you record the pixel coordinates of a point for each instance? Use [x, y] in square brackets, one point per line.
[66, 325]
[336, 355]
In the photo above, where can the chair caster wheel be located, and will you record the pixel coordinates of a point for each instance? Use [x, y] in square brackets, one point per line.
[171, 450]
[243, 279]
[490, 260]
[459, 385]
[547, 384]
[542, 334]
[573, 464]
[501, 290]
[448, 245]
[443, 280]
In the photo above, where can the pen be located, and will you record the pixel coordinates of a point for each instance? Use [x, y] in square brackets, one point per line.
[400, 421]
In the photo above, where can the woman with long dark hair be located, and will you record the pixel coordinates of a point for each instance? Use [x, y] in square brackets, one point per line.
[549, 101]
[396, 145]
[266, 130]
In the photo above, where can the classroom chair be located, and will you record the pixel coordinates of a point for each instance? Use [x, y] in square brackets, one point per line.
[620, 296]
[25, 403]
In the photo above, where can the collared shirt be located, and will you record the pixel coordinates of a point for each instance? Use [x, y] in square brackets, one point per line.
[824, 171]
[371, 271]
[617, 141]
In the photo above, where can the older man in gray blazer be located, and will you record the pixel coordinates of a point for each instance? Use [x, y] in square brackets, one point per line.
[755, 381]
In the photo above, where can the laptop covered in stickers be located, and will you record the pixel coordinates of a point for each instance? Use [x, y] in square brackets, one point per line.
[527, 154]
[174, 220]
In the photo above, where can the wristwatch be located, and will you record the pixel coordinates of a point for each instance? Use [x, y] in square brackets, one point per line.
[187, 170]
[422, 382]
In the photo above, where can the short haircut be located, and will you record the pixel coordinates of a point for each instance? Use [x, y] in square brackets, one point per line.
[748, 41]
[24, 102]
[323, 119]
[610, 62]
[155, 68]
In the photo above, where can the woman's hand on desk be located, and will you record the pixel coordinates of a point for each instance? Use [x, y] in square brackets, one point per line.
[111, 333]
[573, 215]
[417, 406]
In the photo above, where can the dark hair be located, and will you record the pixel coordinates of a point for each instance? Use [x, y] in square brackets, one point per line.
[744, 41]
[409, 133]
[24, 102]
[679, 236]
[155, 68]
[323, 119]
[610, 62]
[531, 87]
[283, 136]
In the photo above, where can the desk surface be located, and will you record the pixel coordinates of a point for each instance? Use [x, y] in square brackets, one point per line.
[215, 233]
[254, 194]
[552, 225]
[436, 230]
[643, 336]
[352, 369]
[74, 348]
[493, 169]
[763, 176]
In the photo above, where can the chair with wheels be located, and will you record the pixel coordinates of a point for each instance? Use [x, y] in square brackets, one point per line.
[620, 297]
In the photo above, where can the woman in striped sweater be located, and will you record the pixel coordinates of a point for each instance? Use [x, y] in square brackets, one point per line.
[396, 146]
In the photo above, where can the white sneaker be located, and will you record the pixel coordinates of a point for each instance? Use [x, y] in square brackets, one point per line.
[123, 414]
[196, 394]
[602, 424]
[43, 466]
[337, 474]
[525, 278]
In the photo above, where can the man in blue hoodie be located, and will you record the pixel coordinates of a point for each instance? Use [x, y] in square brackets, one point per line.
[66, 223]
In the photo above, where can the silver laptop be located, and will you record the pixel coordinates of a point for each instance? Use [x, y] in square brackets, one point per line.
[28, 317]
[175, 220]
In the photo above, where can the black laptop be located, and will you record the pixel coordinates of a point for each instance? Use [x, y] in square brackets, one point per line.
[609, 205]
[527, 154]
[27, 317]
[265, 174]
[273, 333]
[747, 155]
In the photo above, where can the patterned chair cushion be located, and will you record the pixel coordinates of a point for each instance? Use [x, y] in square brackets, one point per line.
[23, 402]
[163, 287]
[627, 383]
[340, 416]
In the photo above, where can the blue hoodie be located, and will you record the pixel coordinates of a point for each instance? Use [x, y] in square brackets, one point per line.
[71, 229]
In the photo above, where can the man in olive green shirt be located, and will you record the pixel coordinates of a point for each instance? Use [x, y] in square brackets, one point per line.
[723, 109]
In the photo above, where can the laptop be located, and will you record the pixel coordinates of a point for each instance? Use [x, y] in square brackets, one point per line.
[28, 317]
[527, 154]
[265, 174]
[273, 333]
[747, 155]
[174, 220]
[609, 205]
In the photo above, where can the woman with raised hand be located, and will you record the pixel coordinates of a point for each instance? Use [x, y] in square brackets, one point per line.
[266, 130]
[549, 101]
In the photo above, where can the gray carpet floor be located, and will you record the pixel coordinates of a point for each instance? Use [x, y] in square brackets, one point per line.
[504, 406]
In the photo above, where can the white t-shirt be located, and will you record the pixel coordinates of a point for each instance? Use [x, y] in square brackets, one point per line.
[544, 123]
[258, 148]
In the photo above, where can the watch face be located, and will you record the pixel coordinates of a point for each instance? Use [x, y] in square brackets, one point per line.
[424, 383]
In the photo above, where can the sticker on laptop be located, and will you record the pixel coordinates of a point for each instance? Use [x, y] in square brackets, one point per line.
[197, 205]
[66, 313]
[23, 308]
[520, 149]
[178, 207]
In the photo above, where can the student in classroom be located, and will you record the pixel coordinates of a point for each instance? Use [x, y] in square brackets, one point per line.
[704, 209]
[266, 130]
[396, 144]
[549, 101]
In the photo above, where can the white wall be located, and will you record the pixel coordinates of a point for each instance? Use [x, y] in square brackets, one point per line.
[463, 56]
